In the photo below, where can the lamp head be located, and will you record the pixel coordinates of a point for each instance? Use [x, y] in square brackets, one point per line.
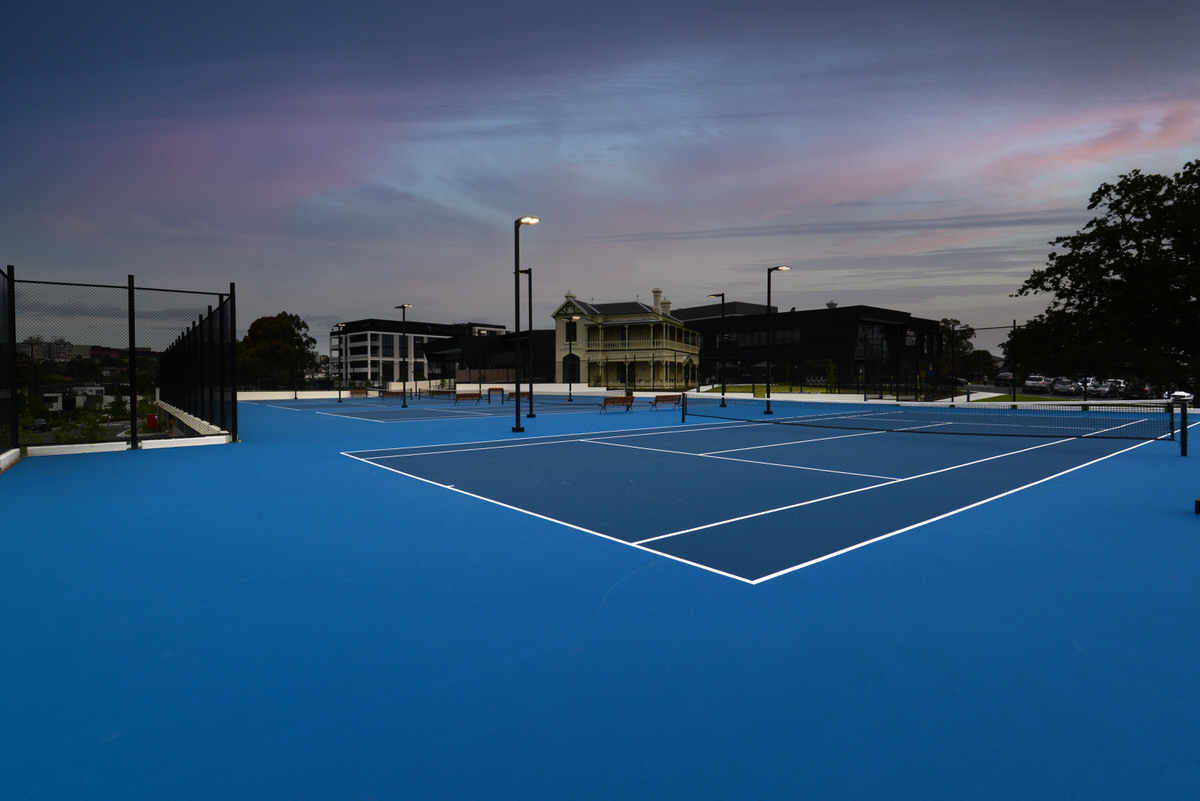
[529, 221]
[781, 267]
[405, 306]
[720, 295]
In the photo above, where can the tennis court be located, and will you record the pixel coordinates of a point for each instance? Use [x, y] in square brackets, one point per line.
[415, 608]
[751, 501]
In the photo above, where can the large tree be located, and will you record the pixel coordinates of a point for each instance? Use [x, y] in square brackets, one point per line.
[1124, 288]
[276, 349]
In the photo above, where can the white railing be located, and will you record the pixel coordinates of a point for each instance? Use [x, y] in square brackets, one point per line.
[644, 344]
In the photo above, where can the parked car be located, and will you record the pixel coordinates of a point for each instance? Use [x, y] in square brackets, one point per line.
[1036, 383]
[1005, 379]
[1102, 390]
[1180, 396]
[1137, 390]
[39, 425]
[1064, 386]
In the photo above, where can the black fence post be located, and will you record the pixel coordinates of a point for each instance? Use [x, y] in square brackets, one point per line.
[8, 358]
[229, 387]
[133, 386]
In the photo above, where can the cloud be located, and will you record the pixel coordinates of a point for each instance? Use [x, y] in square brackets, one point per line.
[1033, 219]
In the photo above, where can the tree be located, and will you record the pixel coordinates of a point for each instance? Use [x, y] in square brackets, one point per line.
[956, 353]
[276, 349]
[1124, 287]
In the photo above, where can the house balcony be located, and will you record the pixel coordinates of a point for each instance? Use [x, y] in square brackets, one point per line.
[644, 344]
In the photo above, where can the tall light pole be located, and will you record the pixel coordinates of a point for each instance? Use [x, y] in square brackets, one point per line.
[770, 333]
[339, 331]
[571, 332]
[528, 271]
[404, 338]
[721, 344]
[517, 428]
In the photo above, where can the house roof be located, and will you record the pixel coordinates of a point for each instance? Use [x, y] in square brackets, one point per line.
[624, 308]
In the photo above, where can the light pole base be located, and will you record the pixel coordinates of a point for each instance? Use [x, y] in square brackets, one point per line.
[518, 430]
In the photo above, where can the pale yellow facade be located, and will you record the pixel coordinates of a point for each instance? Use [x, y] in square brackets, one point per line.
[627, 345]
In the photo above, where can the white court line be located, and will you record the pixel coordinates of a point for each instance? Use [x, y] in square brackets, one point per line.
[856, 546]
[620, 433]
[742, 461]
[851, 492]
[549, 519]
[794, 442]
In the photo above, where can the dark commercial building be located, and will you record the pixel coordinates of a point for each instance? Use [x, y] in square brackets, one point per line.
[856, 346]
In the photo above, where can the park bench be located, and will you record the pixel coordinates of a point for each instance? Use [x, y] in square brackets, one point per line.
[466, 396]
[666, 400]
[616, 400]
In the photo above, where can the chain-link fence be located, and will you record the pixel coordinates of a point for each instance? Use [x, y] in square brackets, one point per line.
[88, 361]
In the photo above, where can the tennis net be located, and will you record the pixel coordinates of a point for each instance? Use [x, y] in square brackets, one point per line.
[1145, 420]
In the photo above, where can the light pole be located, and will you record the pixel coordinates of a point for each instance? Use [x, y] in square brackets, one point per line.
[721, 344]
[339, 333]
[517, 428]
[770, 333]
[528, 271]
[571, 334]
[404, 338]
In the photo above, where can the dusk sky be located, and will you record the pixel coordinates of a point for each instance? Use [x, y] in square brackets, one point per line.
[336, 159]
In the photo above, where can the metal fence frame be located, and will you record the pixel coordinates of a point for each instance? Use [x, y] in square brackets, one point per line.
[202, 390]
[198, 372]
[9, 435]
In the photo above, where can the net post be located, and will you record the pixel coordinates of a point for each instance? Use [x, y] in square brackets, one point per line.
[683, 409]
[1183, 428]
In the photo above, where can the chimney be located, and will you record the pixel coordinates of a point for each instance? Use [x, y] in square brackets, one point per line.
[666, 306]
[657, 299]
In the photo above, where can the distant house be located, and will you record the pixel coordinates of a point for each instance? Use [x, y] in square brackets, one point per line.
[624, 345]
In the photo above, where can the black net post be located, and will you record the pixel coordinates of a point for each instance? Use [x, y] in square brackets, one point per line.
[1183, 427]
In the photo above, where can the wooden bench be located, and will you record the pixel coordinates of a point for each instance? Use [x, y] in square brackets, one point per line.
[512, 396]
[358, 393]
[666, 400]
[467, 396]
[616, 400]
[441, 393]
[391, 393]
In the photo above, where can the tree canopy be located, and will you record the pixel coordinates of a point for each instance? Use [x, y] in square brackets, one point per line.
[1123, 288]
[276, 349]
[959, 356]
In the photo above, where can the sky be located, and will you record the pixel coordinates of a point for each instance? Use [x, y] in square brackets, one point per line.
[337, 159]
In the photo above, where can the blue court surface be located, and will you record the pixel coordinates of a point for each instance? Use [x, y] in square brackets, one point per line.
[364, 602]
